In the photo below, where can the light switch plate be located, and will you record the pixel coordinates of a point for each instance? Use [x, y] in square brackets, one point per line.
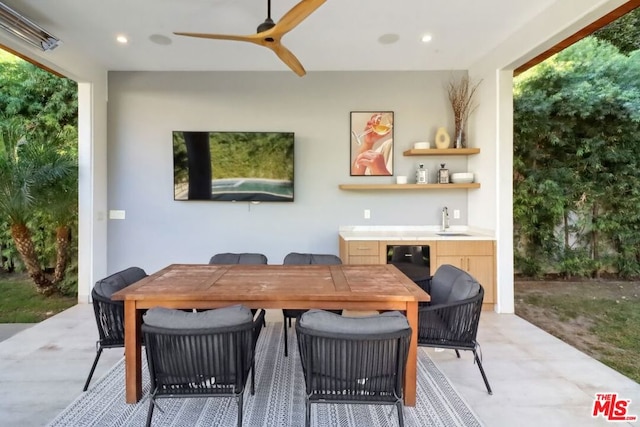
[116, 214]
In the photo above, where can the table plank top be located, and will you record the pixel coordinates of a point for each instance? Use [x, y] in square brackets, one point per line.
[202, 282]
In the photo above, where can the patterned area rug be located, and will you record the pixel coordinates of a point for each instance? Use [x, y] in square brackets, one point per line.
[279, 399]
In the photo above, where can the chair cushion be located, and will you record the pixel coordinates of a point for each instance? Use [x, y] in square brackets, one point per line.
[295, 258]
[325, 321]
[243, 258]
[451, 284]
[177, 319]
[120, 280]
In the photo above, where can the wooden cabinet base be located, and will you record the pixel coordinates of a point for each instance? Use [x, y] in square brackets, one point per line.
[475, 256]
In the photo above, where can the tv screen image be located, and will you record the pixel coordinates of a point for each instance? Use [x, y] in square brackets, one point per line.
[233, 166]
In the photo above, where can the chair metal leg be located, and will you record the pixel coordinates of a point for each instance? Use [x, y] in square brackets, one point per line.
[253, 377]
[152, 403]
[484, 376]
[284, 329]
[457, 353]
[93, 368]
[240, 404]
[400, 413]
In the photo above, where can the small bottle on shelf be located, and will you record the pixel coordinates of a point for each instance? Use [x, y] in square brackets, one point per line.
[422, 175]
[443, 174]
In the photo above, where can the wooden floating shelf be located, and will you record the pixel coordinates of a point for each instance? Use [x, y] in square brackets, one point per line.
[441, 152]
[408, 186]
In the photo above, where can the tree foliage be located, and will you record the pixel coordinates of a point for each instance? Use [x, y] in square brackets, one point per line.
[576, 162]
[623, 33]
[38, 171]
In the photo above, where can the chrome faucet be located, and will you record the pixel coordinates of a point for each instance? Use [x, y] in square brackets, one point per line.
[445, 219]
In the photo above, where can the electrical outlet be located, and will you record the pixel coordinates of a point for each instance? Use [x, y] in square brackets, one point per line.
[456, 214]
[367, 214]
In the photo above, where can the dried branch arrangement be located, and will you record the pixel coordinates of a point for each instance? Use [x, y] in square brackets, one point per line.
[461, 93]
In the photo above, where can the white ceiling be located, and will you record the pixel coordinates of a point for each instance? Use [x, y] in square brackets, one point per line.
[340, 35]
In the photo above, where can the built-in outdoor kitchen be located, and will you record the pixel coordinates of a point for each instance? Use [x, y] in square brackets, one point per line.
[419, 250]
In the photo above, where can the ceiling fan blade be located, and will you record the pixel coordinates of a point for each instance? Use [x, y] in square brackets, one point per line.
[296, 15]
[250, 38]
[288, 58]
[271, 37]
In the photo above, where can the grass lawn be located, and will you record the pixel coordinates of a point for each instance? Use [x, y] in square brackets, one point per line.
[20, 303]
[600, 318]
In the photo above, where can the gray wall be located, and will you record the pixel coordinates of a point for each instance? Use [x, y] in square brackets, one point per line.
[145, 107]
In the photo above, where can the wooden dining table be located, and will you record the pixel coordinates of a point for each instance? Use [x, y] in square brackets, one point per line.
[196, 286]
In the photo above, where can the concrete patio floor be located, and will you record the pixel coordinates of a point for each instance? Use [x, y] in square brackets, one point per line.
[537, 379]
[7, 330]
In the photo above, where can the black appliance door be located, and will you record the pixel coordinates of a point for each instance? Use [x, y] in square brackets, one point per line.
[412, 260]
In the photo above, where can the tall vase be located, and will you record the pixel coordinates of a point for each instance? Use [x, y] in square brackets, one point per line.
[459, 137]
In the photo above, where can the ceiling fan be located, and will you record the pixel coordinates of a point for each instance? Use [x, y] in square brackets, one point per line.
[269, 33]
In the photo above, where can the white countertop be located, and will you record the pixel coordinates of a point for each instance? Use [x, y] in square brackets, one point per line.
[413, 232]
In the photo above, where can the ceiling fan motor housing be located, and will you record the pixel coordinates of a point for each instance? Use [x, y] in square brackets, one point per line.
[266, 25]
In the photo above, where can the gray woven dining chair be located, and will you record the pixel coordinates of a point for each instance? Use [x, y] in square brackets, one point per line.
[200, 354]
[450, 320]
[353, 359]
[239, 258]
[297, 258]
[109, 314]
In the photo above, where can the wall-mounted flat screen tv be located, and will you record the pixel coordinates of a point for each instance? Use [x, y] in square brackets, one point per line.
[233, 166]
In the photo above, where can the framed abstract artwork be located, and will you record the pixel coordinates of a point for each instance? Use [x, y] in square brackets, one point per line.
[371, 143]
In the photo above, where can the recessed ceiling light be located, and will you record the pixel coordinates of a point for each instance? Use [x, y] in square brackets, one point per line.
[426, 38]
[122, 39]
[389, 38]
[160, 39]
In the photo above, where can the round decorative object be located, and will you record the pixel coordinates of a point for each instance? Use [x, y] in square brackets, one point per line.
[442, 138]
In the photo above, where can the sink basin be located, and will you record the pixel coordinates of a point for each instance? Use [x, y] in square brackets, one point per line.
[452, 233]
